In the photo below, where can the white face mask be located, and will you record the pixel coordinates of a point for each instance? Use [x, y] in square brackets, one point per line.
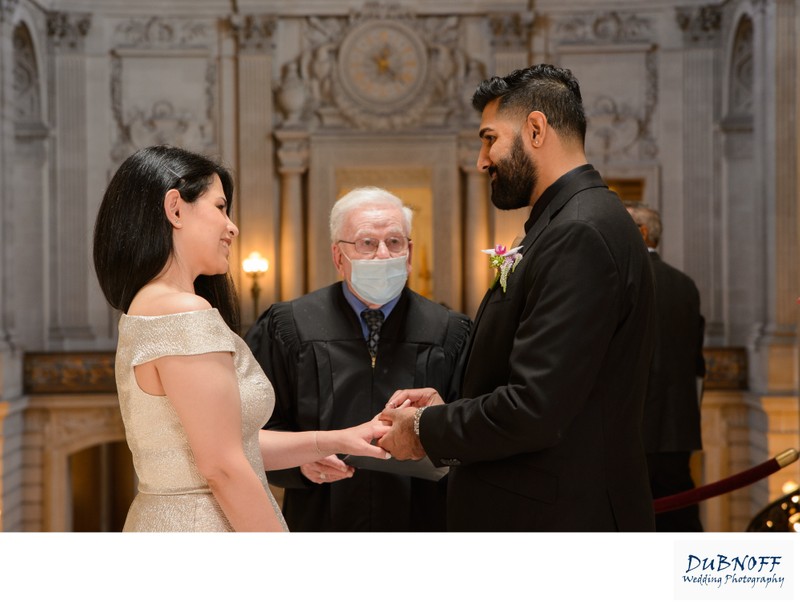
[378, 281]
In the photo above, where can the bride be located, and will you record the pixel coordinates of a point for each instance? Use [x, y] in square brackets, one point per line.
[192, 396]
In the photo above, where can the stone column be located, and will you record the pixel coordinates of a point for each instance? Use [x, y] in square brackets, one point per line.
[703, 237]
[776, 48]
[70, 255]
[258, 216]
[734, 427]
[293, 154]
[12, 403]
[477, 233]
[6, 163]
[786, 187]
[11, 448]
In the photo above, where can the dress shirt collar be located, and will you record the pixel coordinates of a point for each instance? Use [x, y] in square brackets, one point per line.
[551, 192]
[358, 306]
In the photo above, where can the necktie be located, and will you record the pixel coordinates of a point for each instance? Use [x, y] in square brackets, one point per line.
[374, 320]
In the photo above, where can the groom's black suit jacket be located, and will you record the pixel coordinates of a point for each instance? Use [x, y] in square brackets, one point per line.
[548, 433]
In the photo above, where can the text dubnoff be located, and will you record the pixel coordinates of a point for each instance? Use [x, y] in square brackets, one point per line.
[731, 569]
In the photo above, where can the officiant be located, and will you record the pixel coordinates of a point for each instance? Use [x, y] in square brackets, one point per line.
[336, 355]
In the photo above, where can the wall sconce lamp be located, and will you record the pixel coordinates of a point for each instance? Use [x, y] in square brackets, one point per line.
[254, 266]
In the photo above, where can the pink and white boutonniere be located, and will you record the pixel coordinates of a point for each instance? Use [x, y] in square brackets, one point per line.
[504, 262]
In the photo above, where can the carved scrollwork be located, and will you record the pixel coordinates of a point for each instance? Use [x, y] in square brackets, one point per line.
[162, 33]
[511, 30]
[161, 120]
[68, 431]
[618, 130]
[700, 25]
[329, 101]
[49, 373]
[68, 30]
[255, 32]
[605, 28]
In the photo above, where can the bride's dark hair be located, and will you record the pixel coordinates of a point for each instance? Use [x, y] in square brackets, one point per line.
[133, 236]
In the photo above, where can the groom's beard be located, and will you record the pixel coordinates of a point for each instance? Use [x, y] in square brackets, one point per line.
[514, 180]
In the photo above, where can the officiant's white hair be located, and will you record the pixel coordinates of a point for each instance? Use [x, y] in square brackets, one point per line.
[366, 197]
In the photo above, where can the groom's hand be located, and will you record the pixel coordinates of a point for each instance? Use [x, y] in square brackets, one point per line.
[400, 440]
[418, 398]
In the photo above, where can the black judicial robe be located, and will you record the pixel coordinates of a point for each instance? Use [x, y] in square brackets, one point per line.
[314, 353]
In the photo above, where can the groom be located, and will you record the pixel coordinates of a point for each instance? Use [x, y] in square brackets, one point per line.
[547, 435]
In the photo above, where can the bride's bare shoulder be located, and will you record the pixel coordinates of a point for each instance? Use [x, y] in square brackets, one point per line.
[155, 301]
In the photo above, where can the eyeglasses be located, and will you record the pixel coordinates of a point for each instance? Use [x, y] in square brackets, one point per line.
[370, 246]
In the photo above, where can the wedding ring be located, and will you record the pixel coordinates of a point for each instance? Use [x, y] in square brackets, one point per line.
[322, 476]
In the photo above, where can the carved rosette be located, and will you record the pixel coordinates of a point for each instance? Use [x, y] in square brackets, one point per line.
[67, 31]
[330, 97]
[700, 25]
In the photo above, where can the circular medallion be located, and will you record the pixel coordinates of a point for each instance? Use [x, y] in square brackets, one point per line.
[382, 64]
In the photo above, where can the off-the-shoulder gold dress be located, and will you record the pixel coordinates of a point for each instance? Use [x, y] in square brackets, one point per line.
[173, 496]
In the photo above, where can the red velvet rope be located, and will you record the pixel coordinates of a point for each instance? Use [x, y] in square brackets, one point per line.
[701, 493]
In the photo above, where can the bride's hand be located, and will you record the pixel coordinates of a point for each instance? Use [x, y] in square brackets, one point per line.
[358, 440]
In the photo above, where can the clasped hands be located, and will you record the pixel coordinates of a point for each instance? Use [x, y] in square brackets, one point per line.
[399, 439]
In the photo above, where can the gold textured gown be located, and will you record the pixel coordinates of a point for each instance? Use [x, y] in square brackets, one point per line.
[173, 496]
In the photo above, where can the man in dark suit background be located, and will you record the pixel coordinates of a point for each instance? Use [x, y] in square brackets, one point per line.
[547, 435]
[671, 427]
[330, 372]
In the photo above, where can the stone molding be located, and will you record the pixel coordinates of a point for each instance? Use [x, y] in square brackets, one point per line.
[75, 372]
[293, 151]
[162, 33]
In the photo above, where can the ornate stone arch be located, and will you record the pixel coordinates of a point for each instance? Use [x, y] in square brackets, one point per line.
[740, 73]
[27, 94]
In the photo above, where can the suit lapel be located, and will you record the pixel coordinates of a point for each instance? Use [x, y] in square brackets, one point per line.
[583, 181]
[586, 180]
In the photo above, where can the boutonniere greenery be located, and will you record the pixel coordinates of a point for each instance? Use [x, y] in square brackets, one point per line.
[504, 262]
